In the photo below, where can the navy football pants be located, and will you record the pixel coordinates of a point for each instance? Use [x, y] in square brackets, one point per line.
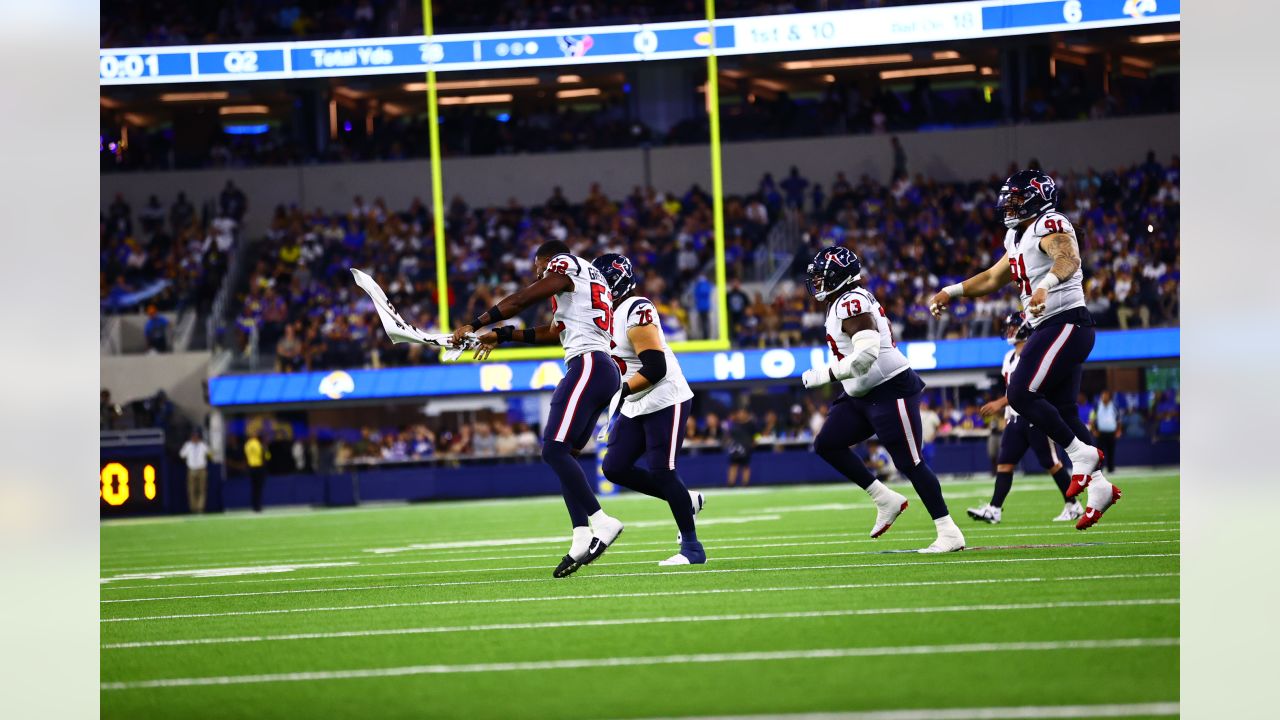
[1044, 386]
[585, 391]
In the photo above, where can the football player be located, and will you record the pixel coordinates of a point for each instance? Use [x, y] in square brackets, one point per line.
[1019, 436]
[1042, 259]
[653, 408]
[582, 316]
[880, 395]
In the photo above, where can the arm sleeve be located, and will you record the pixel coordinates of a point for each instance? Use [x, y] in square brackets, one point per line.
[653, 365]
[866, 349]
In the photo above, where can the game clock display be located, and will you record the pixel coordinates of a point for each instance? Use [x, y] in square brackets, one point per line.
[131, 483]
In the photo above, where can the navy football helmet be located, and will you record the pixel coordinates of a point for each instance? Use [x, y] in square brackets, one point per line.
[1026, 194]
[618, 274]
[830, 270]
[1016, 328]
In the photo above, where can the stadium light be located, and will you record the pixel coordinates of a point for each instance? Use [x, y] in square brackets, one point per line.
[1160, 38]
[926, 72]
[946, 55]
[474, 84]
[847, 62]
[194, 96]
[244, 110]
[580, 92]
[476, 99]
[568, 79]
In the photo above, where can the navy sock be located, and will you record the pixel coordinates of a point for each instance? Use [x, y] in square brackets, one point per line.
[929, 490]
[1062, 479]
[677, 496]
[843, 459]
[1004, 482]
[578, 498]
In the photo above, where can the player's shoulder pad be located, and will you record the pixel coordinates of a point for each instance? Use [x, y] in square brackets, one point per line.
[641, 312]
[853, 303]
[565, 264]
[1050, 223]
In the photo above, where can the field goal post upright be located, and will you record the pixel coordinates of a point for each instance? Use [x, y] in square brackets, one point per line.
[720, 342]
[437, 174]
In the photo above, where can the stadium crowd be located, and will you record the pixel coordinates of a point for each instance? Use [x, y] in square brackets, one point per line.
[914, 235]
[170, 258]
[763, 422]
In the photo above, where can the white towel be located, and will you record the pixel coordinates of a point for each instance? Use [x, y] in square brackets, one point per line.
[401, 331]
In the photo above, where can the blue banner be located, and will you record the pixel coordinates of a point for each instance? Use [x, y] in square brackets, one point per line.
[795, 32]
[699, 368]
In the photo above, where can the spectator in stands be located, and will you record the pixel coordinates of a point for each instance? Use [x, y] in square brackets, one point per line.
[506, 443]
[483, 442]
[714, 430]
[737, 303]
[526, 440]
[232, 202]
[742, 441]
[289, 351]
[108, 412]
[1106, 428]
[423, 444]
[930, 423]
[195, 453]
[879, 462]
[156, 331]
[1168, 415]
[794, 186]
[181, 214]
[256, 456]
[702, 294]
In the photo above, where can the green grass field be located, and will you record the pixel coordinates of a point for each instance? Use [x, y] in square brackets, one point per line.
[297, 614]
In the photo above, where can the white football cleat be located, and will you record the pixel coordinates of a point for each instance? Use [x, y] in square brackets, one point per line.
[578, 549]
[1071, 512]
[987, 513]
[603, 533]
[888, 507]
[1102, 495]
[950, 539]
[676, 559]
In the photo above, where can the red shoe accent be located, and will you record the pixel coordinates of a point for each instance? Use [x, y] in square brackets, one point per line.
[1091, 516]
[885, 529]
[1080, 482]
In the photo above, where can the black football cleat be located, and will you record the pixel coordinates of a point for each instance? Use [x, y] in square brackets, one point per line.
[567, 567]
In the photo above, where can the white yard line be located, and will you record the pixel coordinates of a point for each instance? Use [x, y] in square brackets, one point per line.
[543, 567]
[613, 553]
[596, 664]
[559, 598]
[648, 621]
[1021, 712]
[364, 559]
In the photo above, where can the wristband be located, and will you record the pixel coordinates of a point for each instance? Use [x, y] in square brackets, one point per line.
[494, 316]
[625, 391]
[505, 333]
[954, 291]
[1048, 282]
[530, 336]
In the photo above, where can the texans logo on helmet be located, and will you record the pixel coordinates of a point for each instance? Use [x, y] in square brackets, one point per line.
[1044, 187]
[621, 266]
[835, 258]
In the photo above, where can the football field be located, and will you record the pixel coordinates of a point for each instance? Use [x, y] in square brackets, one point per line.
[450, 610]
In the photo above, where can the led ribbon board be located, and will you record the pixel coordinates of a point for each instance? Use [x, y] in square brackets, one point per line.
[699, 368]
[621, 43]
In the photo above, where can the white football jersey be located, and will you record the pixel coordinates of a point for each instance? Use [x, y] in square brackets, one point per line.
[672, 389]
[583, 314]
[1030, 264]
[890, 363]
[1006, 369]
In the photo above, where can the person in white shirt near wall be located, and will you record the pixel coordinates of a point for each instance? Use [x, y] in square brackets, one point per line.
[1106, 426]
[195, 453]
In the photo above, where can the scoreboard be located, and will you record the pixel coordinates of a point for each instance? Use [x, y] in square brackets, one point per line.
[622, 43]
[132, 474]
